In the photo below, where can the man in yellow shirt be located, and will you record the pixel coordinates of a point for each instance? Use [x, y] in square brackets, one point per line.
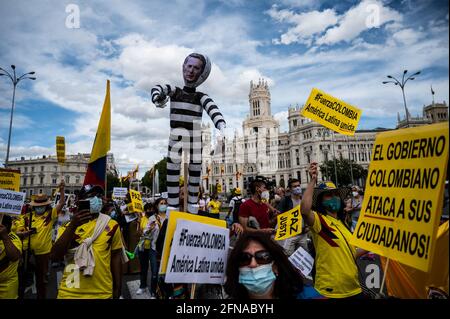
[214, 207]
[43, 217]
[105, 280]
[10, 250]
[336, 269]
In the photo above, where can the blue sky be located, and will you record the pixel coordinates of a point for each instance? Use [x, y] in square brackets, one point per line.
[345, 48]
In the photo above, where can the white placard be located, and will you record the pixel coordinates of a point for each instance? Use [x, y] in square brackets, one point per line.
[303, 261]
[58, 196]
[198, 254]
[130, 217]
[11, 202]
[120, 192]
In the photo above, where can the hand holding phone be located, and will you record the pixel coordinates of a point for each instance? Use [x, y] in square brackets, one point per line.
[84, 205]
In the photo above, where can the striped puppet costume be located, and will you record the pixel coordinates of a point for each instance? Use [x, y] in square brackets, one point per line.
[186, 110]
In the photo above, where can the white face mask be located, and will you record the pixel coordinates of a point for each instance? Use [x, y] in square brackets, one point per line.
[265, 195]
[355, 194]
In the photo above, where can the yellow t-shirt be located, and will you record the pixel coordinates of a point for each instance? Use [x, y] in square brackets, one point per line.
[74, 285]
[336, 271]
[20, 224]
[9, 278]
[215, 206]
[41, 241]
[142, 225]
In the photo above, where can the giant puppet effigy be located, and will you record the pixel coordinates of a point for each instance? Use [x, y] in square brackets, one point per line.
[186, 110]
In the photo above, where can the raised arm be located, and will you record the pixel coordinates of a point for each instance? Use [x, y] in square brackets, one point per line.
[62, 198]
[306, 204]
[159, 94]
[213, 112]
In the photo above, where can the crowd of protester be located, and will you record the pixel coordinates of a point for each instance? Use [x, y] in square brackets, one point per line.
[91, 235]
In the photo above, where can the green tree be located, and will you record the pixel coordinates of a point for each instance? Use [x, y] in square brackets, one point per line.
[147, 180]
[344, 172]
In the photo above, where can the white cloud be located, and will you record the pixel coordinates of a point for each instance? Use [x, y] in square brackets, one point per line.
[19, 121]
[306, 24]
[327, 27]
[367, 14]
[407, 36]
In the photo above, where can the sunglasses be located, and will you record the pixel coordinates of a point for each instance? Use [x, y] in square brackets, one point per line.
[262, 257]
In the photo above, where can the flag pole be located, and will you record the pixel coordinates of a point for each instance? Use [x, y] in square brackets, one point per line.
[384, 276]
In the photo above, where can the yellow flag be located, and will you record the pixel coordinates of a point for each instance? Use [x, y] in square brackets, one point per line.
[102, 143]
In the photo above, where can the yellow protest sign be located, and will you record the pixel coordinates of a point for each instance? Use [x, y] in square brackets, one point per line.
[289, 224]
[9, 179]
[404, 195]
[172, 224]
[136, 202]
[331, 112]
[61, 149]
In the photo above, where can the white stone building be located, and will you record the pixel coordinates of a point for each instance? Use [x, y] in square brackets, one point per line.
[43, 174]
[264, 150]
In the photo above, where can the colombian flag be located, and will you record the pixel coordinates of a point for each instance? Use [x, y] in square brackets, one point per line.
[96, 171]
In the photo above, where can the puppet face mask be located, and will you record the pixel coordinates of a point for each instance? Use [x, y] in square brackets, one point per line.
[196, 69]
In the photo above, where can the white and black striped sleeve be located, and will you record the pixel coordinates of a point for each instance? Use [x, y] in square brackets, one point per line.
[212, 110]
[164, 90]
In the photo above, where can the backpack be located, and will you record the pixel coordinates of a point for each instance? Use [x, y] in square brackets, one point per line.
[237, 204]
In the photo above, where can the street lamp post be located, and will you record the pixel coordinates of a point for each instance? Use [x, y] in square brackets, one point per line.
[15, 80]
[402, 86]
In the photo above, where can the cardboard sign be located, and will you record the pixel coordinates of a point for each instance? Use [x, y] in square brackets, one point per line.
[136, 202]
[404, 192]
[171, 225]
[289, 224]
[331, 112]
[303, 261]
[58, 196]
[120, 192]
[10, 179]
[11, 202]
[61, 149]
[199, 253]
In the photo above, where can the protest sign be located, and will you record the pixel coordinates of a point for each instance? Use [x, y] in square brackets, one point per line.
[9, 179]
[289, 224]
[136, 202]
[198, 254]
[331, 112]
[11, 202]
[171, 225]
[61, 149]
[120, 192]
[303, 261]
[404, 194]
[58, 196]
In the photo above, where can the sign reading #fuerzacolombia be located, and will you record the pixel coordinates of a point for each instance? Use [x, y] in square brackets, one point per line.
[331, 112]
[403, 199]
[11, 202]
[198, 254]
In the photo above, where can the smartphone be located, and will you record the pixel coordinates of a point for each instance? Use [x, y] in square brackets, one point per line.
[84, 205]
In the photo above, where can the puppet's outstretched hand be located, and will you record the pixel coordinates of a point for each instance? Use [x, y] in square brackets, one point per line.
[161, 100]
[221, 127]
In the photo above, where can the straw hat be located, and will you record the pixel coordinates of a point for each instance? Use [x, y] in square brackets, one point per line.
[41, 200]
[325, 187]
[237, 191]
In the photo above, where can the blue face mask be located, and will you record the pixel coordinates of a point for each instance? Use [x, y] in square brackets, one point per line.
[40, 210]
[162, 208]
[333, 204]
[257, 280]
[96, 204]
[297, 190]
